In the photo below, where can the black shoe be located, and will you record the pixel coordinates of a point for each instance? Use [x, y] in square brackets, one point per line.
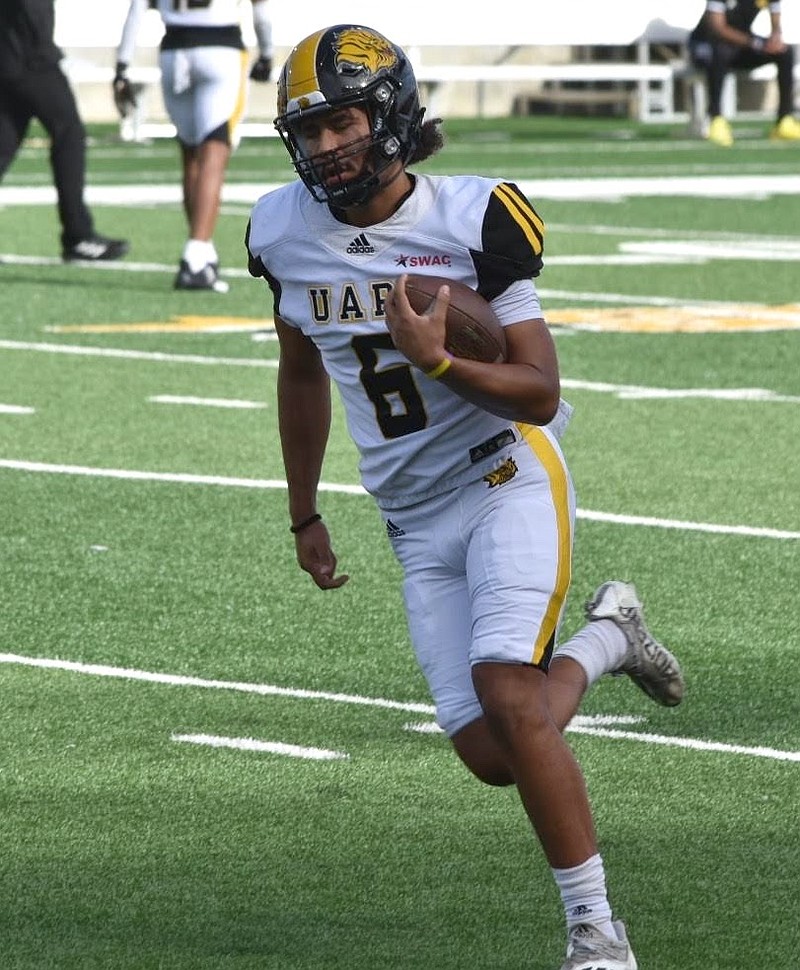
[206, 278]
[94, 248]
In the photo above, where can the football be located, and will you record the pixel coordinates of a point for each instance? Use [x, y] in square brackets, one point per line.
[473, 330]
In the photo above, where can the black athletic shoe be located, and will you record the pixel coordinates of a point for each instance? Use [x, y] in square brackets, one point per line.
[206, 278]
[94, 248]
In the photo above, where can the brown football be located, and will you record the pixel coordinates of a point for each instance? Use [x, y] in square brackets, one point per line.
[473, 330]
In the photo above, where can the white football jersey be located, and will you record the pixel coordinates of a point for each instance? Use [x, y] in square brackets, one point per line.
[200, 13]
[415, 436]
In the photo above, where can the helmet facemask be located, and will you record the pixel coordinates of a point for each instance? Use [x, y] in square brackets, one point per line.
[352, 67]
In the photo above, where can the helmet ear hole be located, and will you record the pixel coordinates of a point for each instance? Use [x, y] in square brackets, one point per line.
[350, 65]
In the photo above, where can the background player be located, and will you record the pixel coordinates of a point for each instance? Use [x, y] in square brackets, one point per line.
[203, 79]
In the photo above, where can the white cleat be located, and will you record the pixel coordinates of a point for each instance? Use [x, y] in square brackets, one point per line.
[589, 949]
[649, 664]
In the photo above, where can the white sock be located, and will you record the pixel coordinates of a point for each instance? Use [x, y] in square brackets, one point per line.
[199, 253]
[583, 893]
[599, 648]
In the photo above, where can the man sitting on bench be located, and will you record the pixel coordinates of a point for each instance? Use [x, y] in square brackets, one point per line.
[723, 42]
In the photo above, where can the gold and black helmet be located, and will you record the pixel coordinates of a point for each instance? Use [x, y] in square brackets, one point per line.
[343, 66]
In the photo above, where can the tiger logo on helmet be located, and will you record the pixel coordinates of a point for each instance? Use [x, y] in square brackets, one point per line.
[359, 49]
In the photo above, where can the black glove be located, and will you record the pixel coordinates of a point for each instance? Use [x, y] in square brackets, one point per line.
[124, 91]
[262, 69]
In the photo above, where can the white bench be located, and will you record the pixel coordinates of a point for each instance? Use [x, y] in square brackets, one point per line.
[654, 82]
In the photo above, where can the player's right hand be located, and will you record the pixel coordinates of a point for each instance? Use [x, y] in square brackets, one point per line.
[123, 91]
[316, 557]
[261, 69]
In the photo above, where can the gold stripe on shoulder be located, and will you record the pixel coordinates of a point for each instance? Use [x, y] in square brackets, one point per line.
[524, 215]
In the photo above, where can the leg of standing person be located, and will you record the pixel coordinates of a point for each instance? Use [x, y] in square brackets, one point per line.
[203, 175]
[49, 98]
[204, 91]
[15, 117]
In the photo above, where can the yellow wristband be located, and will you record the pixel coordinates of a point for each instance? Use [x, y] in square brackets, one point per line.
[440, 368]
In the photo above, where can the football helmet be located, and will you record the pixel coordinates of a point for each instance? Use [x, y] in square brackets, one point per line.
[340, 67]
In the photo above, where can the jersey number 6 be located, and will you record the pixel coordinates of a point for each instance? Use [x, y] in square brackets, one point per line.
[399, 409]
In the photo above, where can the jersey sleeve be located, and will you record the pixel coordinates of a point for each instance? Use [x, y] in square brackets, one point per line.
[256, 268]
[512, 241]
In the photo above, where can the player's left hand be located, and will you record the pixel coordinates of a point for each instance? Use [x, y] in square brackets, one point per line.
[261, 69]
[419, 337]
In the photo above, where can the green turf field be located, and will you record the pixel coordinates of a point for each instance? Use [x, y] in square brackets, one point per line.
[207, 763]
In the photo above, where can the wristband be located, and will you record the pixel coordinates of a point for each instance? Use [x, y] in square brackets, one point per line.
[757, 44]
[441, 368]
[294, 529]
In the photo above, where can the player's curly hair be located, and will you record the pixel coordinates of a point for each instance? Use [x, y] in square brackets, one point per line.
[431, 140]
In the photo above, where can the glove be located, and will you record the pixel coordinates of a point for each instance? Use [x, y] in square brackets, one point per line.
[261, 69]
[124, 91]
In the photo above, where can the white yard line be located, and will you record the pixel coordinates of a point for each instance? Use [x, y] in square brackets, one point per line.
[149, 355]
[272, 747]
[639, 392]
[751, 394]
[16, 409]
[608, 189]
[691, 743]
[274, 483]
[182, 680]
[580, 725]
[209, 402]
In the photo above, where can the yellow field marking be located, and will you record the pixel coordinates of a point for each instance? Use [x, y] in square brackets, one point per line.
[637, 319]
[180, 324]
[682, 319]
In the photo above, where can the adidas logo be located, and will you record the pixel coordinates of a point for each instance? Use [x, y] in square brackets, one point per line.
[360, 245]
[393, 531]
[89, 249]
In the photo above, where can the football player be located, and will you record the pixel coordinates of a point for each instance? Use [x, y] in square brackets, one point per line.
[203, 79]
[462, 457]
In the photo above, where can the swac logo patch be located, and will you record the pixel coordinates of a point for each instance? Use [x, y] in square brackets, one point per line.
[502, 474]
[358, 50]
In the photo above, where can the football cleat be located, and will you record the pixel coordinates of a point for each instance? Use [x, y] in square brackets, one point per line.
[206, 278]
[787, 129]
[649, 664]
[589, 949]
[719, 132]
[93, 249]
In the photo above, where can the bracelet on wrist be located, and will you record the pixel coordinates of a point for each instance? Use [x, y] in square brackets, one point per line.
[441, 368]
[294, 529]
[757, 44]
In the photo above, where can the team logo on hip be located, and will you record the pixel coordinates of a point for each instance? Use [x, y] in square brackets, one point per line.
[502, 474]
